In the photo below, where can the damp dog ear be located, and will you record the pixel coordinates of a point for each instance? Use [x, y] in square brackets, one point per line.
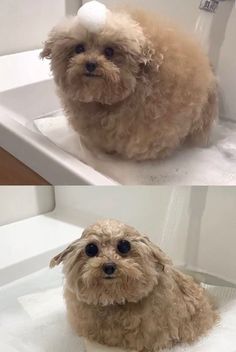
[147, 54]
[159, 257]
[62, 255]
[46, 53]
[150, 59]
[56, 38]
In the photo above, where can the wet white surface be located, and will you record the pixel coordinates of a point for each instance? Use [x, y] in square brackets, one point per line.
[215, 165]
[33, 319]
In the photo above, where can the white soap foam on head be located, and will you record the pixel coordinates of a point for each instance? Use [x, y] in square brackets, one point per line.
[93, 16]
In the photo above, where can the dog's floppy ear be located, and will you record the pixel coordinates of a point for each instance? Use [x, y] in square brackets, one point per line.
[161, 259]
[58, 33]
[61, 256]
[148, 52]
[47, 49]
[55, 34]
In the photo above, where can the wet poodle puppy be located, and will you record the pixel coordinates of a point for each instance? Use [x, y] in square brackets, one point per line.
[138, 87]
[122, 290]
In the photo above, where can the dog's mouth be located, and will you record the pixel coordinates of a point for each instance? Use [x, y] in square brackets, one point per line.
[92, 75]
[109, 278]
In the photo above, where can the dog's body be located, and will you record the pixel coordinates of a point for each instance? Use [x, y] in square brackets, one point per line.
[156, 92]
[146, 305]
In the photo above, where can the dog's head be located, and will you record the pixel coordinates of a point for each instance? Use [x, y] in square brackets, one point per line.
[101, 67]
[111, 264]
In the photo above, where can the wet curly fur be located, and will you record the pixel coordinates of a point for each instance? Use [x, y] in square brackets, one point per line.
[148, 304]
[157, 91]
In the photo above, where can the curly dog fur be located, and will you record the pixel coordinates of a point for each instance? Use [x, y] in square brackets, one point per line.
[156, 92]
[148, 304]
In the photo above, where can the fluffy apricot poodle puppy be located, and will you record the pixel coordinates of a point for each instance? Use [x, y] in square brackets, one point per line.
[122, 290]
[131, 83]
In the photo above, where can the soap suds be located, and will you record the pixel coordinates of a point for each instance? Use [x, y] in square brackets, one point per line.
[92, 16]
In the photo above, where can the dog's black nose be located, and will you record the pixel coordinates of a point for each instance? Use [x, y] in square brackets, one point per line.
[109, 268]
[91, 66]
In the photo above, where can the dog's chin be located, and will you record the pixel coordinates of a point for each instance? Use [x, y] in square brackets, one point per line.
[100, 88]
[96, 93]
[112, 290]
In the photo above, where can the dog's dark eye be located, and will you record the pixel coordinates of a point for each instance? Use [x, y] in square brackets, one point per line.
[109, 52]
[79, 49]
[91, 250]
[123, 246]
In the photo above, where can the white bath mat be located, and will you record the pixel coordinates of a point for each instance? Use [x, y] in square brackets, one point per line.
[42, 305]
[215, 165]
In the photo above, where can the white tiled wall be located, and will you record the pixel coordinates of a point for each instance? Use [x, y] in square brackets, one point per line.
[24, 24]
[227, 70]
[20, 202]
[217, 237]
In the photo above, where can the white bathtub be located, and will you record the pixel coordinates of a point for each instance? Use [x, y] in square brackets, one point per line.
[32, 311]
[26, 93]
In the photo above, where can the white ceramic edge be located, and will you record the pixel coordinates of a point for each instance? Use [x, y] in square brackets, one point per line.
[37, 152]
